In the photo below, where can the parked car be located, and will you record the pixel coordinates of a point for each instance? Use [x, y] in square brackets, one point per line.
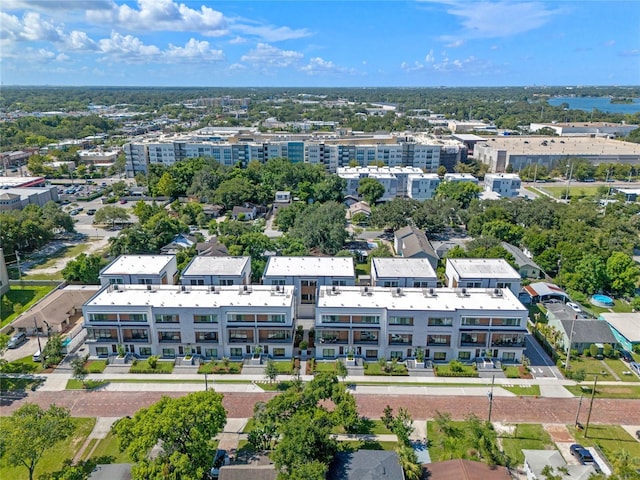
[91, 211]
[626, 356]
[220, 459]
[17, 340]
[123, 200]
[37, 356]
[582, 454]
[575, 307]
[635, 366]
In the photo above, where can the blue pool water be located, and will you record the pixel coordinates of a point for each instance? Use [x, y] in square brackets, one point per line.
[602, 300]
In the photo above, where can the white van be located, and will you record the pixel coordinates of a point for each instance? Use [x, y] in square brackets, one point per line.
[36, 356]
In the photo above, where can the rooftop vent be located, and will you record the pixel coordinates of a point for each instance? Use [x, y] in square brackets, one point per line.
[397, 292]
[364, 291]
[429, 292]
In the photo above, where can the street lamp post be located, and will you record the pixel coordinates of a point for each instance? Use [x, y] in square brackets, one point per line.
[35, 330]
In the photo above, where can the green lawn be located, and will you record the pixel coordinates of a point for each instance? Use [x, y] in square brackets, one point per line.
[353, 445]
[143, 367]
[592, 367]
[369, 427]
[619, 307]
[53, 458]
[220, 367]
[530, 436]
[445, 371]
[363, 269]
[96, 366]
[574, 191]
[620, 367]
[438, 448]
[610, 438]
[606, 391]
[373, 368]
[87, 385]
[329, 367]
[285, 367]
[108, 447]
[25, 296]
[65, 252]
[524, 390]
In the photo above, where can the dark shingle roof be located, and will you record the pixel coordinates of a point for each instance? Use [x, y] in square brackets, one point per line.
[589, 331]
[366, 465]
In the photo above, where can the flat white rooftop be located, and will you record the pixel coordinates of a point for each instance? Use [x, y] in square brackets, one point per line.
[483, 268]
[216, 266]
[310, 267]
[628, 324]
[137, 265]
[442, 299]
[402, 267]
[176, 296]
[521, 145]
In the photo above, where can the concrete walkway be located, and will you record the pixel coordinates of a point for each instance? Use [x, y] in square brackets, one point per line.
[100, 430]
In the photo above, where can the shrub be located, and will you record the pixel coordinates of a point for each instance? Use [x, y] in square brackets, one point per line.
[586, 352]
[303, 345]
[153, 361]
[456, 366]
[593, 349]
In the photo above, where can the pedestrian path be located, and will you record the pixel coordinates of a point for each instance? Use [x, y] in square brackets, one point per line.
[100, 430]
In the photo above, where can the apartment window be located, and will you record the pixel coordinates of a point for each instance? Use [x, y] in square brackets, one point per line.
[395, 338]
[369, 319]
[439, 356]
[420, 284]
[503, 285]
[508, 356]
[102, 334]
[389, 283]
[227, 282]
[167, 318]
[211, 352]
[400, 320]
[102, 351]
[278, 352]
[277, 282]
[102, 317]
[240, 317]
[136, 334]
[116, 281]
[169, 352]
[369, 354]
[335, 318]
[464, 355]
[145, 351]
[236, 352]
[506, 322]
[133, 317]
[471, 321]
[145, 281]
[339, 283]
[169, 336]
[438, 339]
[205, 319]
[206, 336]
[440, 322]
[197, 282]
[328, 352]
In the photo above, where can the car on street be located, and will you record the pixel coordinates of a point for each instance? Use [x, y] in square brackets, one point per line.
[16, 340]
[575, 307]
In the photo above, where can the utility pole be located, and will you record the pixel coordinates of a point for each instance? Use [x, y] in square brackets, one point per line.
[18, 262]
[593, 394]
[566, 195]
[578, 412]
[490, 394]
[573, 324]
[35, 330]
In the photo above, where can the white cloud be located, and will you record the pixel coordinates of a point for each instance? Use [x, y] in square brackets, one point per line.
[455, 43]
[271, 33]
[34, 29]
[79, 41]
[267, 56]
[610, 43]
[237, 40]
[318, 65]
[498, 19]
[193, 51]
[50, 6]
[429, 58]
[415, 67]
[162, 15]
[127, 48]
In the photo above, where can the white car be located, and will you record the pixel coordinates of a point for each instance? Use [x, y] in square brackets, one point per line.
[575, 307]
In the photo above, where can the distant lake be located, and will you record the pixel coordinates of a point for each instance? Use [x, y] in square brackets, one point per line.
[601, 103]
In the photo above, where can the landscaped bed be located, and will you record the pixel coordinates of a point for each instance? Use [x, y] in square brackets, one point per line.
[220, 367]
[389, 369]
[143, 366]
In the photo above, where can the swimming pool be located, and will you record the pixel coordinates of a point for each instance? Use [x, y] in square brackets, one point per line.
[602, 300]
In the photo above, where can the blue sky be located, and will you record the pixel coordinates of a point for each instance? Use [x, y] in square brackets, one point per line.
[321, 43]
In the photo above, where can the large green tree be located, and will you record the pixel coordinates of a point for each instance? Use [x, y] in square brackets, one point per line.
[183, 426]
[84, 269]
[111, 214]
[31, 431]
[371, 189]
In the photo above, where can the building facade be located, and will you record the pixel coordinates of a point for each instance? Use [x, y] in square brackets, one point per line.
[504, 184]
[204, 270]
[482, 273]
[141, 270]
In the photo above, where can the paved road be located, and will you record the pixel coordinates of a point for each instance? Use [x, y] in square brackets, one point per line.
[540, 363]
[240, 405]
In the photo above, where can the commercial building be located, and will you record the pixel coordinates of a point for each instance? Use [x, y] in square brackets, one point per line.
[604, 129]
[446, 323]
[504, 184]
[173, 320]
[520, 151]
[18, 198]
[141, 270]
[464, 273]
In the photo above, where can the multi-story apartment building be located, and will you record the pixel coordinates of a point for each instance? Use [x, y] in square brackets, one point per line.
[422, 186]
[205, 270]
[504, 184]
[409, 182]
[141, 269]
[403, 272]
[330, 154]
[482, 273]
[448, 324]
[173, 320]
[307, 275]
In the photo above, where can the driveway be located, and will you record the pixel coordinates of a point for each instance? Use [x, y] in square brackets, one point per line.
[541, 365]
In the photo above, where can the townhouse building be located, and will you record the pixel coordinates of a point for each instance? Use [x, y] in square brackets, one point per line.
[175, 320]
[408, 182]
[306, 275]
[464, 273]
[504, 184]
[206, 270]
[460, 177]
[141, 269]
[448, 324]
[403, 272]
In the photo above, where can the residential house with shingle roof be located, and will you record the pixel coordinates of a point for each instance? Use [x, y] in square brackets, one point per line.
[411, 242]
